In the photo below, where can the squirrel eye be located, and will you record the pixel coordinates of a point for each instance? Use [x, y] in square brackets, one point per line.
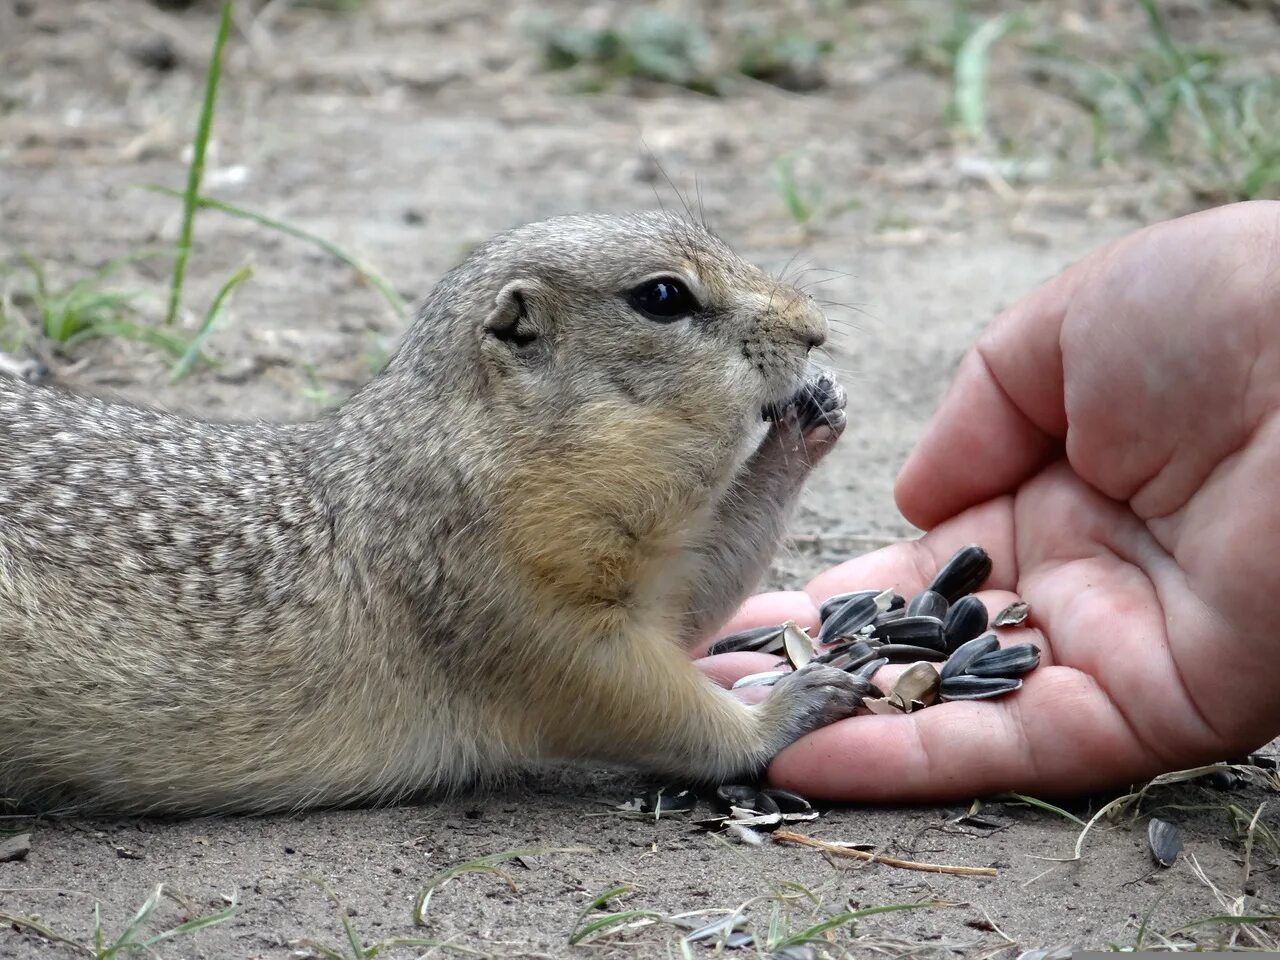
[664, 299]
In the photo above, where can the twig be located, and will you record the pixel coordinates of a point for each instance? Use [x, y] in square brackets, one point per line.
[788, 836]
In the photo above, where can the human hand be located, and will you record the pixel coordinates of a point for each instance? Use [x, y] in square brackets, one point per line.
[1113, 441]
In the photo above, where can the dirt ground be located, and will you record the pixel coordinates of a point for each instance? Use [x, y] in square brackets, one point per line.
[408, 132]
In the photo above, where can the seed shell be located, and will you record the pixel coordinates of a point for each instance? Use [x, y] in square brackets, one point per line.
[796, 645]
[967, 653]
[1012, 661]
[966, 619]
[927, 604]
[964, 573]
[1014, 614]
[965, 687]
[916, 688]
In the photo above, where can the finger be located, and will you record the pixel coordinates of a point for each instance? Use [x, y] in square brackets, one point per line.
[1059, 734]
[727, 668]
[908, 567]
[1003, 417]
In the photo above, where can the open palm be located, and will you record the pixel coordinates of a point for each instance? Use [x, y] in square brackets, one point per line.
[1113, 441]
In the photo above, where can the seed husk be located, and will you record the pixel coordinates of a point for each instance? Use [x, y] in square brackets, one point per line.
[964, 573]
[849, 619]
[967, 653]
[1014, 614]
[916, 688]
[909, 653]
[921, 631]
[766, 679]
[796, 645]
[965, 687]
[1012, 661]
[927, 604]
[1165, 841]
[897, 613]
[966, 619]
[751, 640]
[834, 603]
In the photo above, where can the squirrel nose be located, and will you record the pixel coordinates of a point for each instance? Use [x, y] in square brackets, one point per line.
[813, 338]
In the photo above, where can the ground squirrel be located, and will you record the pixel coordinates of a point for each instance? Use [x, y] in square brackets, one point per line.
[495, 552]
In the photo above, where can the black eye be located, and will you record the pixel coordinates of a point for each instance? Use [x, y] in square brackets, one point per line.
[664, 299]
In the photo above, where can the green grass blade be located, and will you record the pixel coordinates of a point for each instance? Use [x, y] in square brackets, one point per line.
[125, 940]
[1042, 804]
[195, 172]
[840, 919]
[190, 926]
[971, 71]
[160, 339]
[393, 298]
[486, 864]
[211, 317]
[24, 923]
[581, 932]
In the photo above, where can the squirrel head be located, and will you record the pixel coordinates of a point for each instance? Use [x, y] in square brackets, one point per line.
[646, 311]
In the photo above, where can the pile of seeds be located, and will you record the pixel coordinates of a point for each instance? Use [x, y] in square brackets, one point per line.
[867, 629]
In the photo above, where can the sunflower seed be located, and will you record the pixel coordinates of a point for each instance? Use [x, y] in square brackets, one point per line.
[786, 801]
[849, 619]
[797, 645]
[966, 619]
[848, 656]
[964, 573]
[795, 951]
[752, 640]
[832, 604]
[916, 688]
[921, 631]
[888, 616]
[717, 928]
[1164, 840]
[909, 653]
[927, 604]
[966, 653]
[965, 687]
[1012, 615]
[868, 669]
[890, 600]
[729, 795]
[766, 679]
[1012, 661]
[660, 802]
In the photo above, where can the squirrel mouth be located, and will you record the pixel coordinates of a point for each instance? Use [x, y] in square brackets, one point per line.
[775, 409]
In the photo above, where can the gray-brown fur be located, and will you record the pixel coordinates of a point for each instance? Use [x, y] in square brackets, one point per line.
[493, 553]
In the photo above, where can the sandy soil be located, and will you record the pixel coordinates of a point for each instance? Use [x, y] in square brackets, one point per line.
[409, 132]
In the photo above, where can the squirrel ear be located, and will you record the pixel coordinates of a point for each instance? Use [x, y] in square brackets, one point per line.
[509, 320]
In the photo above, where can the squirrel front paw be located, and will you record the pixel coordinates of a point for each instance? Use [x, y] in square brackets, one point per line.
[811, 697]
[812, 420]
